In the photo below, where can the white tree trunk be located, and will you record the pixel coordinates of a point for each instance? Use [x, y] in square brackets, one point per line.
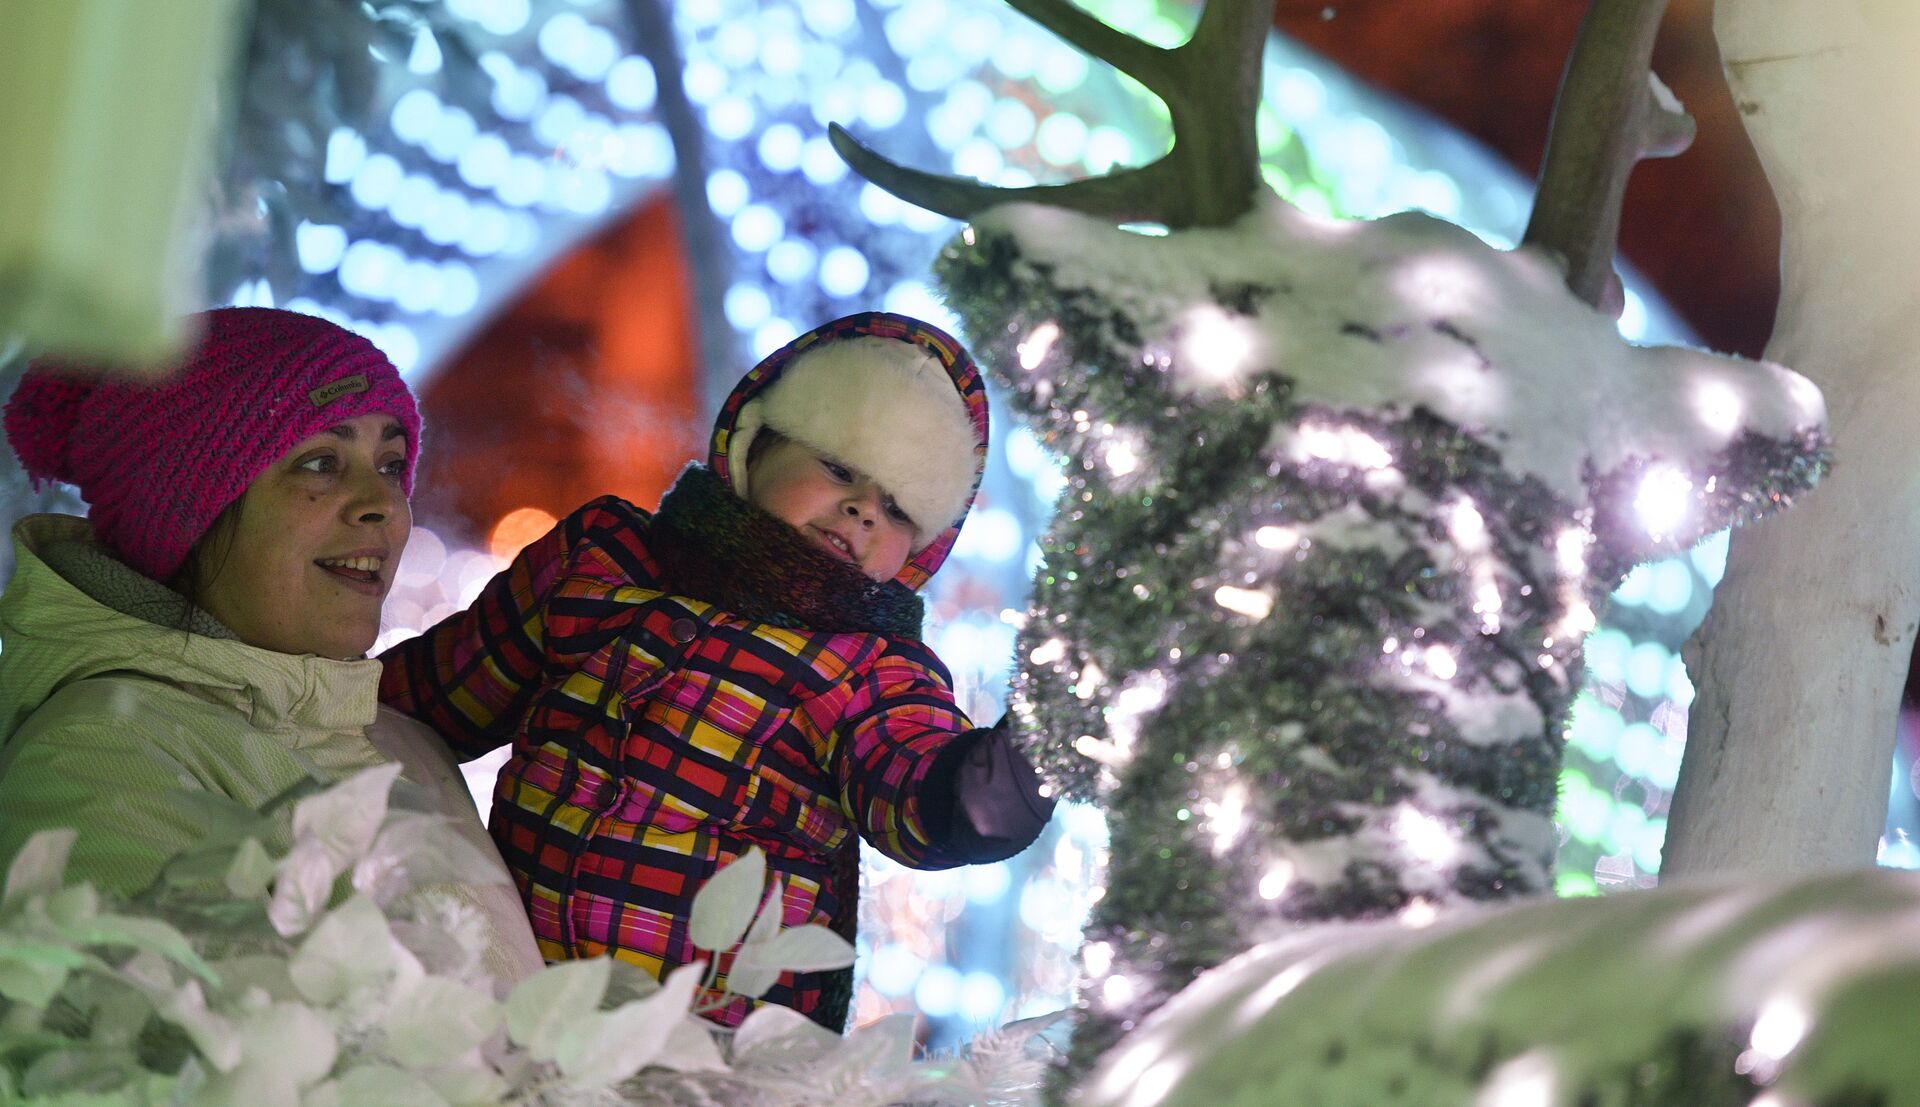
[1801, 661]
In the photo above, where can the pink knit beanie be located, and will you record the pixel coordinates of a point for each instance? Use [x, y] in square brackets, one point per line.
[157, 462]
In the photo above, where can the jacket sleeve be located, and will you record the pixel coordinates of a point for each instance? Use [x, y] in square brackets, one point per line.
[913, 771]
[473, 676]
[135, 809]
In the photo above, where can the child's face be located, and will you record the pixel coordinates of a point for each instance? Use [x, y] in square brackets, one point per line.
[838, 508]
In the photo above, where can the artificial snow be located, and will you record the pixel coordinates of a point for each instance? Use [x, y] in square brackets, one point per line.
[1412, 311]
[1784, 993]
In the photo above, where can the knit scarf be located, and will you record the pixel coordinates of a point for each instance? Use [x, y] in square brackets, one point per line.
[713, 545]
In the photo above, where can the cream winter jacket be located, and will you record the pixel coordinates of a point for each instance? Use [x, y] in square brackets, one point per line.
[118, 703]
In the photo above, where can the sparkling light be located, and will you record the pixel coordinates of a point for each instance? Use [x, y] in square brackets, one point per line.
[1117, 990]
[1419, 914]
[1038, 344]
[1277, 538]
[1441, 662]
[1097, 957]
[1664, 500]
[1252, 603]
[1227, 817]
[1048, 652]
[1276, 880]
[1430, 841]
[1215, 346]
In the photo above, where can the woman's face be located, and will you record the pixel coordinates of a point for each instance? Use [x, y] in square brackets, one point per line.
[306, 564]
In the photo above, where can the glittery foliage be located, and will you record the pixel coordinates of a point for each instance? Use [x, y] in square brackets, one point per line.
[1310, 638]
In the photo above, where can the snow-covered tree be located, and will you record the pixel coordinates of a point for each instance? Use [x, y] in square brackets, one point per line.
[1342, 499]
[1802, 658]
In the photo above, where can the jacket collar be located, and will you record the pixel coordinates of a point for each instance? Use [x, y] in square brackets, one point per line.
[58, 630]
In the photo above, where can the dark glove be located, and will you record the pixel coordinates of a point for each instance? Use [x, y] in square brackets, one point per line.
[998, 809]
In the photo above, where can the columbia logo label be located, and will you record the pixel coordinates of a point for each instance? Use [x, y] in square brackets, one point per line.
[345, 386]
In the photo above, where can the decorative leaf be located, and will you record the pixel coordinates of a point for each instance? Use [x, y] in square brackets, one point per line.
[808, 948]
[217, 1039]
[251, 871]
[750, 975]
[438, 1021]
[542, 1007]
[301, 887]
[416, 851]
[611, 1047]
[724, 905]
[381, 1084]
[772, 1030]
[39, 866]
[33, 973]
[141, 934]
[690, 1047]
[346, 816]
[351, 952]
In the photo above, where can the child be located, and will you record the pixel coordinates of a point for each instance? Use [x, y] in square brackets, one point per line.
[742, 667]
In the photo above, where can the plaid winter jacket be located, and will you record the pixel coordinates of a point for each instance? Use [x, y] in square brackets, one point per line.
[665, 717]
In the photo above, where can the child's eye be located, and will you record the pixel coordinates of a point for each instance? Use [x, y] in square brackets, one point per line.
[838, 471]
[897, 515]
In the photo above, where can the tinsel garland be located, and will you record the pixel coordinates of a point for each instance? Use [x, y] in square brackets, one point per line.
[1312, 658]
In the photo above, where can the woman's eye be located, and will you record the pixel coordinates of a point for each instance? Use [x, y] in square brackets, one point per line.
[396, 468]
[324, 463]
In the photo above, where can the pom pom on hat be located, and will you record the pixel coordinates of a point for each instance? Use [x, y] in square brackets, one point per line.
[157, 462]
[40, 419]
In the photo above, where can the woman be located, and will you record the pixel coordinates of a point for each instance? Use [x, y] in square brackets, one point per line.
[205, 629]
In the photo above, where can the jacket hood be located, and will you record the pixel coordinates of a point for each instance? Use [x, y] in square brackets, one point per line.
[55, 631]
[916, 425]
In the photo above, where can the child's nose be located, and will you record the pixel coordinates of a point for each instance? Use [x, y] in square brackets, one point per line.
[864, 504]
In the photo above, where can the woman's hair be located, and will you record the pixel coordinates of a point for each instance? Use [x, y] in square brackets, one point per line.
[206, 558]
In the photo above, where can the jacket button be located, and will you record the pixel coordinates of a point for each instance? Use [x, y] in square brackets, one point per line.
[683, 631]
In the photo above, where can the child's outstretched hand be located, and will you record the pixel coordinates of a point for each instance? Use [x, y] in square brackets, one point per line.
[998, 795]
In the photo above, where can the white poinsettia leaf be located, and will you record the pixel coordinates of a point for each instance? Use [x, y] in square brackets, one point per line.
[71, 906]
[39, 867]
[541, 1008]
[350, 951]
[33, 973]
[416, 851]
[808, 948]
[251, 872]
[376, 1084]
[438, 1021]
[302, 883]
[290, 1040]
[690, 1047]
[216, 1037]
[469, 1080]
[150, 935]
[611, 1047]
[724, 905]
[751, 975]
[345, 817]
[884, 1045]
[773, 1031]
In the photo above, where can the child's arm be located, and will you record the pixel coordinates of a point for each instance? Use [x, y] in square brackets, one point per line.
[472, 677]
[923, 784]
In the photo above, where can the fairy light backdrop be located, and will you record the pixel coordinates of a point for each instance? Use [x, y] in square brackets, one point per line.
[495, 134]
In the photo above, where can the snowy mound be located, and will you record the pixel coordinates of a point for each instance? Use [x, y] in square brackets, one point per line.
[1342, 500]
[1414, 312]
[1685, 996]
